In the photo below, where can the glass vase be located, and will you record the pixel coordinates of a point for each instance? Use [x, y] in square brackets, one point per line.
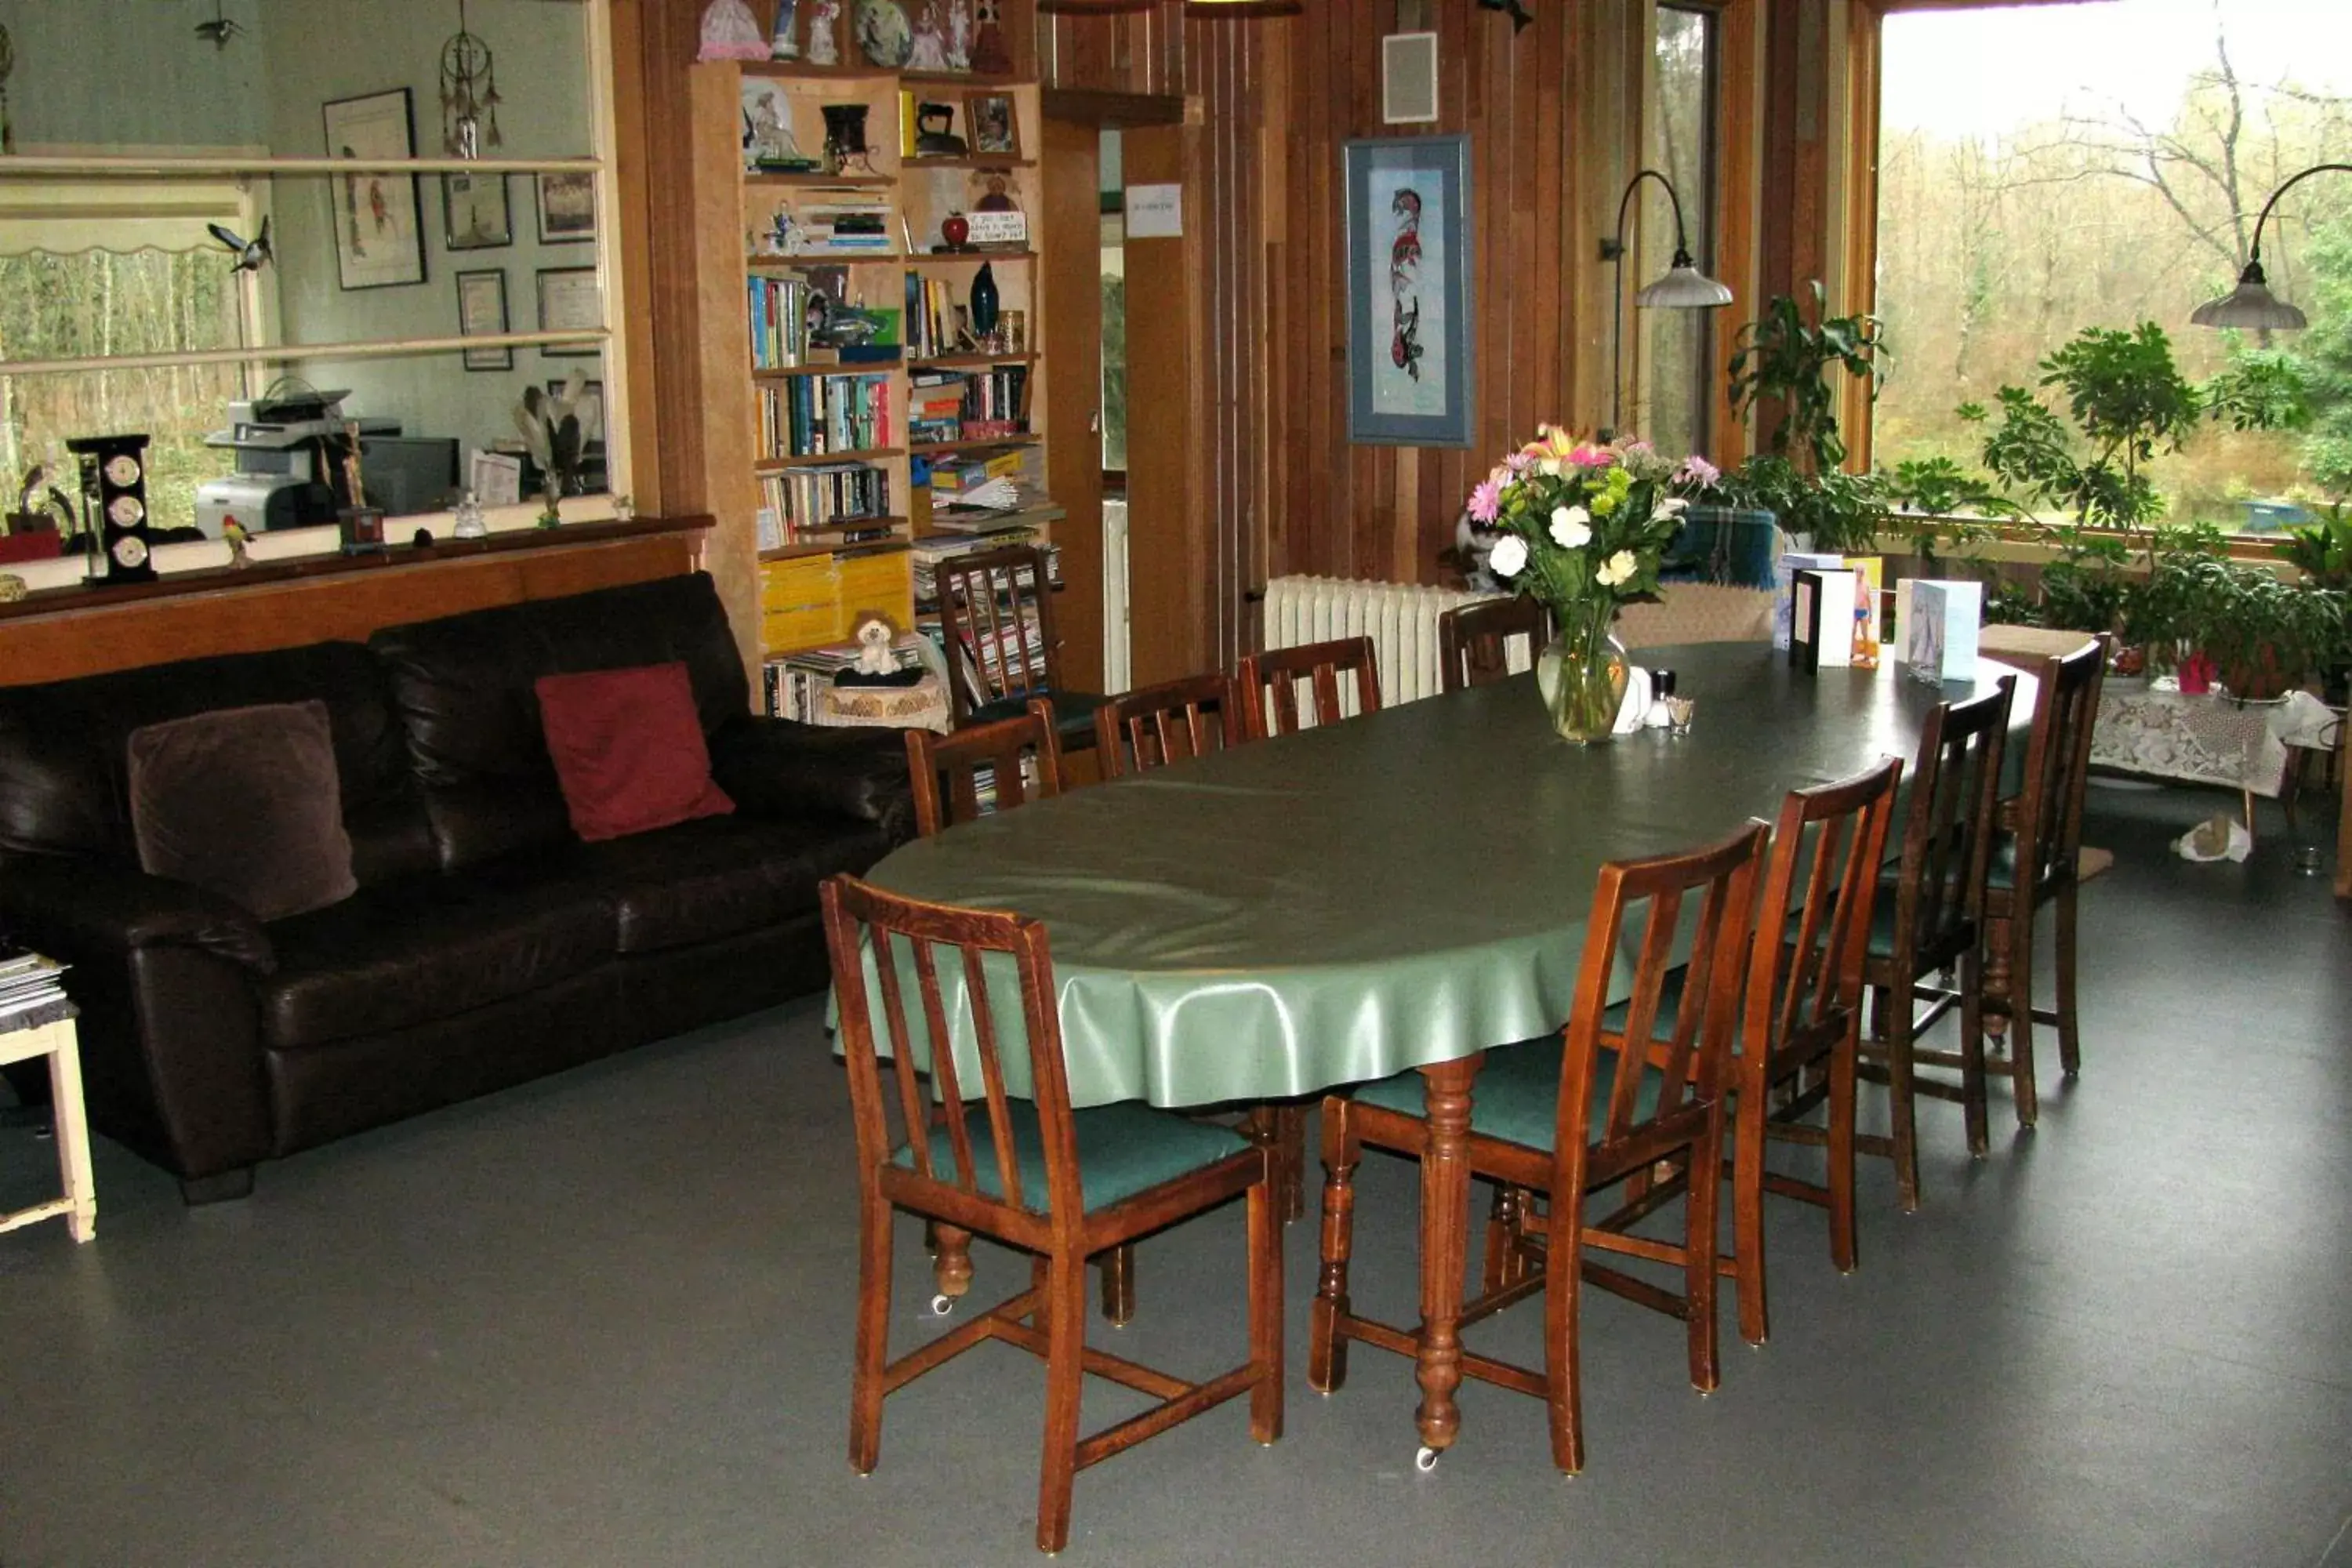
[1582, 674]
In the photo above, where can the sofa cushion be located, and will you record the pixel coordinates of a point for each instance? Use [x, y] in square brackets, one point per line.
[628, 751]
[389, 958]
[243, 802]
[463, 689]
[711, 879]
[63, 760]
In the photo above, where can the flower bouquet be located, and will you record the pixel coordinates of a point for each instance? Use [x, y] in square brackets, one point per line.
[1582, 528]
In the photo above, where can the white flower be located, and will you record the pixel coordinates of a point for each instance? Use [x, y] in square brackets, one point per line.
[1616, 569]
[1571, 527]
[1510, 556]
[1549, 467]
[1673, 506]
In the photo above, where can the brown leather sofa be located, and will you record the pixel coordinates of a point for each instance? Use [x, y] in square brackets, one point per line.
[487, 943]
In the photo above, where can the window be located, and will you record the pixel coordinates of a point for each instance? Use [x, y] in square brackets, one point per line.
[1679, 346]
[1114, 309]
[2047, 170]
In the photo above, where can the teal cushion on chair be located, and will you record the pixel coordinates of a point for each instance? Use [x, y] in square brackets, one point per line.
[1123, 1149]
[1516, 1097]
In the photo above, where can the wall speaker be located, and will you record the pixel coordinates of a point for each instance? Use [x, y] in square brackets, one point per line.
[1409, 77]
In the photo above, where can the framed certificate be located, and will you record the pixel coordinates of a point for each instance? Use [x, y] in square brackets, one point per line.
[570, 301]
[482, 312]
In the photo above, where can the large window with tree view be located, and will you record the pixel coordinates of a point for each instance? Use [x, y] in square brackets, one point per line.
[2053, 180]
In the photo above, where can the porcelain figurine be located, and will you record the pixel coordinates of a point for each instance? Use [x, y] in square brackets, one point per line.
[959, 34]
[730, 32]
[930, 51]
[823, 48]
[780, 43]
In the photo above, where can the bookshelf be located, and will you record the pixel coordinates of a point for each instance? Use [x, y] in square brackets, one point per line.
[812, 456]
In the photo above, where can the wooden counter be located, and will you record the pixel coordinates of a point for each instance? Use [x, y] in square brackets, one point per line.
[59, 633]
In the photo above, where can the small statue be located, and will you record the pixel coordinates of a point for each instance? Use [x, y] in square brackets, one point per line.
[730, 32]
[780, 44]
[996, 199]
[989, 55]
[930, 52]
[824, 50]
[877, 656]
[959, 34]
[767, 137]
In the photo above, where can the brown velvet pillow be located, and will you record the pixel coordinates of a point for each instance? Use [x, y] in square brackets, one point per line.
[245, 803]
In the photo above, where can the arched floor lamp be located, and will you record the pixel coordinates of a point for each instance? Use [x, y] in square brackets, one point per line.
[1681, 286]
[2252, 304]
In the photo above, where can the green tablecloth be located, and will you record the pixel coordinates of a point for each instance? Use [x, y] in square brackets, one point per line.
[1406, 888]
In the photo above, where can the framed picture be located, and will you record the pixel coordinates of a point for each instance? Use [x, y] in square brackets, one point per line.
[1409, 341]
[991, 119]
[474, 214]
[482, 312]
[567, 208]
[570, 301]
[379, 239]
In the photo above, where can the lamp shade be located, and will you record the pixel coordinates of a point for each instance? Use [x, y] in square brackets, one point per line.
[2250, 305]
[1683, 288]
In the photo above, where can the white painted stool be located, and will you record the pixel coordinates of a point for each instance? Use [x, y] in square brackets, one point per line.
[58, 1043]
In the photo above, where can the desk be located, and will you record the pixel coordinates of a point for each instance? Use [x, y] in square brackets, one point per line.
[1401, 890]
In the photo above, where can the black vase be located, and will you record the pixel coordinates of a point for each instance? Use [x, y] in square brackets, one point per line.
[983, 300]
[844, 134]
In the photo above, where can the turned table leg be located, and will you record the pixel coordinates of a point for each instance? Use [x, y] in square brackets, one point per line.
[1444, 1235]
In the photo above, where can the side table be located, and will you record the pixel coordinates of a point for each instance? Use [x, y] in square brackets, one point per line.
[55, 1038]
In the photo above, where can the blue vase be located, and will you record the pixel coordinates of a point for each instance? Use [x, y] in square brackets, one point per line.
[983, 300]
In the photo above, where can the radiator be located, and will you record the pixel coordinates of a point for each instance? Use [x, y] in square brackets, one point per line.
[1401, 620]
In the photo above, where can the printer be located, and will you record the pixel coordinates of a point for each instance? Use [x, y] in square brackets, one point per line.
[287, 471]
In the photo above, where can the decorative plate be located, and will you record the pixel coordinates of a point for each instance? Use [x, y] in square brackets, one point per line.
[883, 33]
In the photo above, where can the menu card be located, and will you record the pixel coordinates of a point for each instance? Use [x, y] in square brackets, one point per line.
[1940, 630]
[1784, 573]
[1821, 619]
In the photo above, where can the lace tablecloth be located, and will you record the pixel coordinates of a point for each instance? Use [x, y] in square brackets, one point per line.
[2204, 739]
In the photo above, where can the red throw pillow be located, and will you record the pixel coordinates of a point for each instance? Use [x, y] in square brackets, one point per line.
[628, 750]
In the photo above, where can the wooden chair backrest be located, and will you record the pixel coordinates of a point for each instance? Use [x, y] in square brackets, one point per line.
[2047, 816]
[1804, 987]
[1269, 684]
[997, 609]
[885, 947]
[1473, 641]
[1694, 1053]
[1002, 747]
[1167, 723]
[1949, 827]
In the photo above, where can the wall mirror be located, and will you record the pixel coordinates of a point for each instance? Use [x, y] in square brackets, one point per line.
[431, 289]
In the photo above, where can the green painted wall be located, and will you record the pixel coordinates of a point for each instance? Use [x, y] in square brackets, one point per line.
[132, 73]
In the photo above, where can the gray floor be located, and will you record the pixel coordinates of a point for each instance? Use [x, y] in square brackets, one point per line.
[604, 1320]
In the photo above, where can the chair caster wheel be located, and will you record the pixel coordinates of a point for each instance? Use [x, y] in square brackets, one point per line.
[942, 1305]
[1425, 1459]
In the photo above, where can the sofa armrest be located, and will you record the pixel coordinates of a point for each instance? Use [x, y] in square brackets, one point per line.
[77, 908]
[775, 767]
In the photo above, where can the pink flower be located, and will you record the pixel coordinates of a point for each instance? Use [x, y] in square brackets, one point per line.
[1697, 472]
[1486, 501]
[1519, 462]
[1590, 457]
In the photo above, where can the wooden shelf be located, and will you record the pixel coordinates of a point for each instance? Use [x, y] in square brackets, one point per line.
[801, 70]
[969, 362]
[961, 161]
[857, 367]
[807, 548]
[964, 78]
[928, 449]
[968, 258]
[863, 455]
[820, 182]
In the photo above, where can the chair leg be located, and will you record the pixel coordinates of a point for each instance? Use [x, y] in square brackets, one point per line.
[1699, 1270]
[1064, 1311]
[1265, 1311]
[1974, 981]
[1746, 1210]
[872, 1353]
[2070, 1032]
[1117, 1268]
[1902, 1104]
[2021, 1012]
[1844, 1062]
[952, 1260]
[1504, 1218]
[1290, 1173]
[1327, 1353]
[1563, 1299]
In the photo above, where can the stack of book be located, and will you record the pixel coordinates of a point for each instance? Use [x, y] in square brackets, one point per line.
[779, 322]
[844, 222]
[937, 550]
[839, 503]
[936, 411]
[795, 683]
[931, 320]
[809, 416]
[30, 990]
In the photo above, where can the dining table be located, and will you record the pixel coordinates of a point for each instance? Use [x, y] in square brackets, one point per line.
[1399, 890]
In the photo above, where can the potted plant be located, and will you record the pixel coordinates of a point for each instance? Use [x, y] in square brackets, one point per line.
[1786, 364]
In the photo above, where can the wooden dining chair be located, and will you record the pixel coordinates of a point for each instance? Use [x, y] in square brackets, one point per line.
[1929, 921]
[1169, 722]
[1269, 685]
[2037, 863]
[1058, 1184]
[1473, 641]
[996, 608]
[1575, 1114]
[984, 767]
